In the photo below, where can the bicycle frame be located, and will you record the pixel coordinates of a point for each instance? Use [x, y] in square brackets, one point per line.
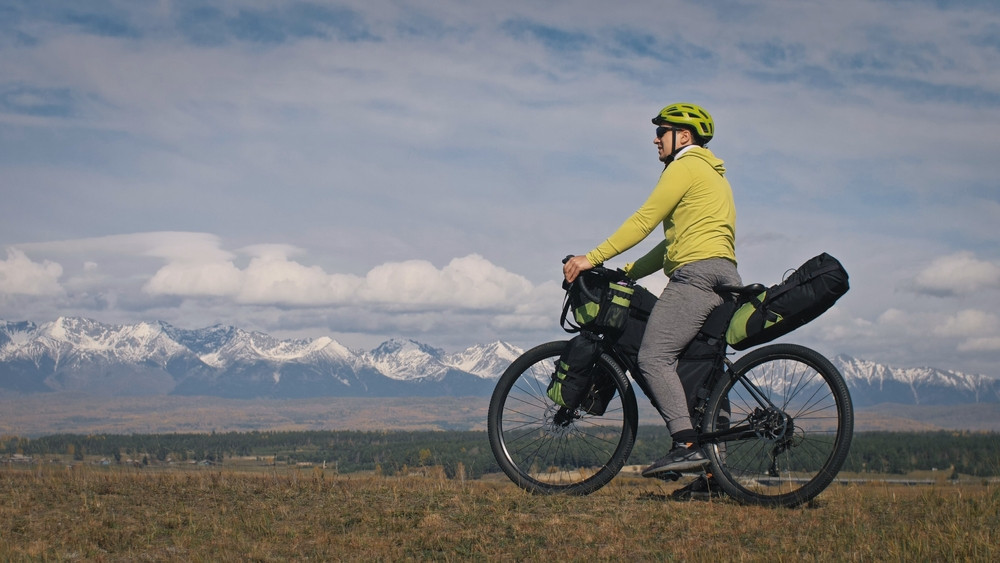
[741, 432]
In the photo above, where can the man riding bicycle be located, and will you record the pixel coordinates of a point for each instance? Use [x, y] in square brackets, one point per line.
[694, 203]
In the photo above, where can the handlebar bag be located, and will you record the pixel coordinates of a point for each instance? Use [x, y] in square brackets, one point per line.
[604, 303]
[806, 294]
[599, 301]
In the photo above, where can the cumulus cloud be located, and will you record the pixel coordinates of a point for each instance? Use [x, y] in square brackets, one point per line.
[196, 279]
[19, 275]
[197, 266]
[966, 323]
[945, 326]
[470, 282]
[957, 274]
[272, 278]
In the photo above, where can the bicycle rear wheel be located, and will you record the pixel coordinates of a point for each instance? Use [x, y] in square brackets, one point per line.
[794, 418]
[545, 448]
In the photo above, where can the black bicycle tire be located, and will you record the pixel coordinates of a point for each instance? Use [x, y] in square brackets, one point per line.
[534, 410]
[813, 388]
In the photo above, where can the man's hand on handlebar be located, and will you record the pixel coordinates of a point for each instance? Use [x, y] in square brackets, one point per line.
[574, 266]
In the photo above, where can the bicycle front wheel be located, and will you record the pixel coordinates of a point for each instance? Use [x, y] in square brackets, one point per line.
[785, 422]
[545, 448]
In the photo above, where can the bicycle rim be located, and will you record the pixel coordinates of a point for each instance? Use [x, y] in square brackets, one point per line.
[542, 455]
[794, 451]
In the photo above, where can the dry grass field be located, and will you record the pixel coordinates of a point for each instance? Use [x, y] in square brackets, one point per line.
[90, 513]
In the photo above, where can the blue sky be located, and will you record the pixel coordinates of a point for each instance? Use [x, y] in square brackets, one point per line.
[376, 169]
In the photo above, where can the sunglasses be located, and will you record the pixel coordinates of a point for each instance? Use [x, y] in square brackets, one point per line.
[661, 131]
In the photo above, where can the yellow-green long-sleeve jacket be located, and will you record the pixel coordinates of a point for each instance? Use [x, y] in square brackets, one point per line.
[694, 202]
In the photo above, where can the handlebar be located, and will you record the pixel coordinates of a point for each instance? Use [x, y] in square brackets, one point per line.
[600, 271]
[586, 290]
[579, 282]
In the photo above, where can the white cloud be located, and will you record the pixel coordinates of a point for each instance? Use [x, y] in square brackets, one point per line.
[893, 317]
[947, 328]
[19, 275]
[197, 266]
[271, 278]
[196, 279]
[471, 282]
[957, 274]
[969, 322]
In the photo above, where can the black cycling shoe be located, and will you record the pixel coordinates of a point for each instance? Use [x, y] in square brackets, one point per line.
[680, 458]
[704, 487]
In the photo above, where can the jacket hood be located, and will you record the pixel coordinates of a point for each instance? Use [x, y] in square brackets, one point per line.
[707, 156]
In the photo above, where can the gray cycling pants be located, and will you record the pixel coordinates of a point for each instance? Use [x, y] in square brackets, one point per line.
[676, 318]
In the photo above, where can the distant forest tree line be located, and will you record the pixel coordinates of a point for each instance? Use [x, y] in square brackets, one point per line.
[468, 453]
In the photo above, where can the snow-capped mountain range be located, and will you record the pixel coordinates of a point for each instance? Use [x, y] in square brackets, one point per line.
[82, 355]
[76, 354]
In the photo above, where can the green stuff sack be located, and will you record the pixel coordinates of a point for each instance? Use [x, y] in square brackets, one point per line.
[806, 294]
[573, 377]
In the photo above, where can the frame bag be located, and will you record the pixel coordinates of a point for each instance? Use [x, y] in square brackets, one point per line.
[806, 294]
[699, 360]
[705, 355]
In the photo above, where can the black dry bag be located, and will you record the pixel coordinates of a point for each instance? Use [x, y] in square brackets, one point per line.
[806, 294]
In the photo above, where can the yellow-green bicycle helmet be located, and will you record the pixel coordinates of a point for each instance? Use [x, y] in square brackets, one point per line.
[688, 115]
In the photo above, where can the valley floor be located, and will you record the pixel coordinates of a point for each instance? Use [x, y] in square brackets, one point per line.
[56, 413]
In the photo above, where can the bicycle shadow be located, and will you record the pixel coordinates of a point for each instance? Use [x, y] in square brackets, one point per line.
[649, 496]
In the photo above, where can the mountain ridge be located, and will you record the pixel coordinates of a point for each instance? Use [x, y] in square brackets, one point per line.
[74, 354]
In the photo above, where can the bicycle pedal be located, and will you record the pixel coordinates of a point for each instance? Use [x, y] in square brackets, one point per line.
[668, 476]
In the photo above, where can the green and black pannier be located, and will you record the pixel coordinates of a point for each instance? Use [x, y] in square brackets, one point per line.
[574, 373]
[806, 294]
